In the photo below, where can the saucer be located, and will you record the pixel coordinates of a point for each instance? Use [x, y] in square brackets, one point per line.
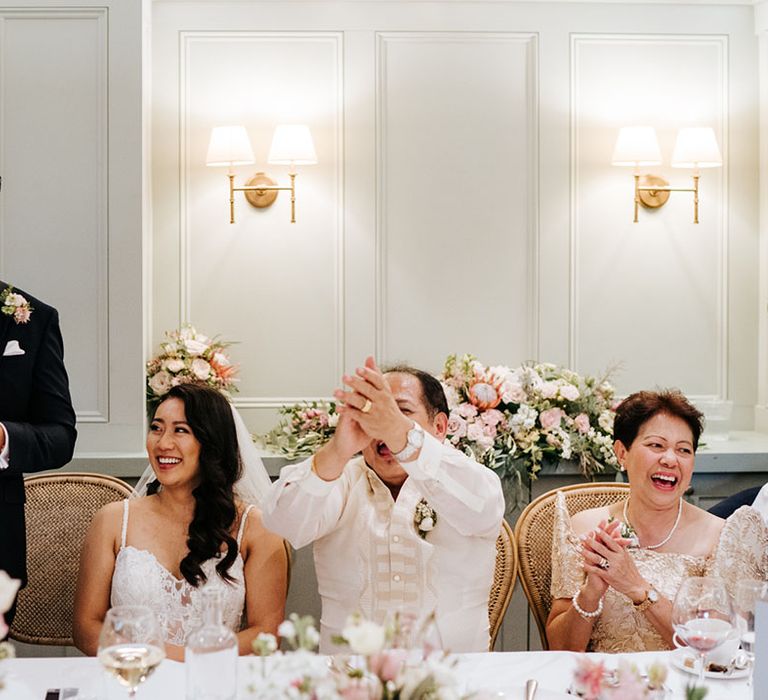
[684, 660]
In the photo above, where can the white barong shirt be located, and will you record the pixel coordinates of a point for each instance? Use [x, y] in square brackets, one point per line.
[369, 557]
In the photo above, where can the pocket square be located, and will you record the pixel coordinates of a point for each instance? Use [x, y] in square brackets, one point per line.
[13, 348]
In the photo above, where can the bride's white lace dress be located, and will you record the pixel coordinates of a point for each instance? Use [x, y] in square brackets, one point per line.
[139, 579]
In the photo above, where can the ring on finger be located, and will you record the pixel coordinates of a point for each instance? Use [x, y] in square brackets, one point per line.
[603, 563]
[367, 406]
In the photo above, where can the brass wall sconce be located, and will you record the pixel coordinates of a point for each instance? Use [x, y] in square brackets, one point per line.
[291, 145]
[637, 146]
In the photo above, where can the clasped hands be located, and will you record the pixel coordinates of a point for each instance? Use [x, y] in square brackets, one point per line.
[368, 411]
[607, 562]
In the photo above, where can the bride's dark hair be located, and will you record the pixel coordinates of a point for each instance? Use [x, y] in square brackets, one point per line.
[209, 416]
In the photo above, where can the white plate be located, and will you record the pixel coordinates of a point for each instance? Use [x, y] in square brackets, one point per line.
[680, 657]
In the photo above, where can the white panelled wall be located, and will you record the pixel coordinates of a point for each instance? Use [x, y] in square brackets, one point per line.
[464, 199]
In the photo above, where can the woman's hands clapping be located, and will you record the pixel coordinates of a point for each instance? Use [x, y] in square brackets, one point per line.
[607, 562]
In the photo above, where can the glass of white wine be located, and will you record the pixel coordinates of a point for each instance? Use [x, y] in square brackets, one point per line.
[131, 645]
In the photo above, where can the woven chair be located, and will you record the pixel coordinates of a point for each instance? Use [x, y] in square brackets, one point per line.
[533, 534]
[504, 577]
[59, 510]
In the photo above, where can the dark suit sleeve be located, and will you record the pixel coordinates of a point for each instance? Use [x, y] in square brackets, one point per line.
[47, 439]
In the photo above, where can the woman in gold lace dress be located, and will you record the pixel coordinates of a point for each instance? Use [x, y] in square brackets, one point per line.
[616, 569]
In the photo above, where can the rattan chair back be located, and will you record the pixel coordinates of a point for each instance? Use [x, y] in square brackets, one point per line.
[504, 577]
[533, 533]
[59, 510]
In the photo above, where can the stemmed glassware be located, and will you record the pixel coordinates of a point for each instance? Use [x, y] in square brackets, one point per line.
[702, 616]
[748, 593]
[131, 645]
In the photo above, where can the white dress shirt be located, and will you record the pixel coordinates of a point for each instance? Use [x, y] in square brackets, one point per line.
[760, 503]
[369, 557]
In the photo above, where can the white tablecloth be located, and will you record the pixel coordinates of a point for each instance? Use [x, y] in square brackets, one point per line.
[504, 672]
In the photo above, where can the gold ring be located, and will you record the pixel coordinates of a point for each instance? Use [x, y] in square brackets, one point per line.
[367, 406]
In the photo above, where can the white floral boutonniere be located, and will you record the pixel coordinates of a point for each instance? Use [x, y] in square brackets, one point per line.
[15, 305]
[424, 518]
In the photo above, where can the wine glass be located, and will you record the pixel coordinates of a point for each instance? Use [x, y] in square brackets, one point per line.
[702, 616]
[131, 645]
[748, 592]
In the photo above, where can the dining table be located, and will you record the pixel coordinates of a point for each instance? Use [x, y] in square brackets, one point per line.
[491, 675]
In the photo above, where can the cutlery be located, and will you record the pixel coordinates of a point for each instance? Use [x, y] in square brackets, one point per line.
[530, 688]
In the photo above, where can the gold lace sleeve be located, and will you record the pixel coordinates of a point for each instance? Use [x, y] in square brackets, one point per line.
[567, 572]
[742, 550]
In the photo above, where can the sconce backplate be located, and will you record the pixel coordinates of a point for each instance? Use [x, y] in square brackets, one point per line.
[261, 198]
[653, 199]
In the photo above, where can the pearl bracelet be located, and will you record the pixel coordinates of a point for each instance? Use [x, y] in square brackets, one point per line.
[587, 615]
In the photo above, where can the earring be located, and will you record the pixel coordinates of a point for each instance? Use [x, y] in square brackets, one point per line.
[621, 466]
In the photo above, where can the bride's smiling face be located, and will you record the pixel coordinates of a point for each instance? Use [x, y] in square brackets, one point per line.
[173, 449]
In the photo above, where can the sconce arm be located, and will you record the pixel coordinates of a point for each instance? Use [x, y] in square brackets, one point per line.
[260, 190]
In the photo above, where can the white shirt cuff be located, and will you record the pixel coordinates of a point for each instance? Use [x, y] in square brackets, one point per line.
[5, 454]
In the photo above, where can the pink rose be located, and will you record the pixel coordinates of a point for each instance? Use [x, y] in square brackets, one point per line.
[551, 418]
[387, 664]
[569, 392]
[582, 423]
[475, 432]
[492, 417]
[457, 426]
[467, 410]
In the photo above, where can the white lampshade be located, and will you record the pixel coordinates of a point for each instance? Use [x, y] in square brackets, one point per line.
[696, 147]
[636, 145]
[292, 144]
[229, 145]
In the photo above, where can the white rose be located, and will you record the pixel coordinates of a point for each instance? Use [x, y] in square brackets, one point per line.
[427, 524]
[548, 390]
[286, 629]
[8, 588]
[605, 421]
[15, 300]
[195, 347]
[200, 368]
[569, 392]
[160, 383]
[365, 637]
[174, 365]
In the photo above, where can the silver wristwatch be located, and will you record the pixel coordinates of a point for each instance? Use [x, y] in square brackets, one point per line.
[415, 439]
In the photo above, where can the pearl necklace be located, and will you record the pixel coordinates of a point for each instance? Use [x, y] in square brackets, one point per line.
[671, 532]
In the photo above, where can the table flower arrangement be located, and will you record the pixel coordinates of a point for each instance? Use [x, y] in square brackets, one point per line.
[374, 671]
[303, 429]
[188, 356]
[593, 681]
[514, 420]
[8, 589]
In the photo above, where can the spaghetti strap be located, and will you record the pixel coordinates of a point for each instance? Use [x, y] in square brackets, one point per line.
[125, 523]
[242, 524]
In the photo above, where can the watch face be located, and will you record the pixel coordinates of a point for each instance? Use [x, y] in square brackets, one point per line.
[653, 595]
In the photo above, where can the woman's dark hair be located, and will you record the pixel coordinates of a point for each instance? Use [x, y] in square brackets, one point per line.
[641, 406]
[432, 393]
[210, 417]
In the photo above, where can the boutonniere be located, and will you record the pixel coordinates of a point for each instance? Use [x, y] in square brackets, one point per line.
[424, 518]
[15, 305]
[627, 532]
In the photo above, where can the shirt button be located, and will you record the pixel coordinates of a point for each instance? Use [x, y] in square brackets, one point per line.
[396, 578]
[396, 538]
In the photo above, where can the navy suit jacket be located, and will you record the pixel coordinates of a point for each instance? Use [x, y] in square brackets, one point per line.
[36, 410]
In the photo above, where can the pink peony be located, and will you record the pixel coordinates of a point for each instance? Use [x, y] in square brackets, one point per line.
[582, 423]
[551, 418]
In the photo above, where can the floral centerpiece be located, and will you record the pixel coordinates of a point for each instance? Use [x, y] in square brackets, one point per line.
[303, 429]
[374, 671]
[8, 589]
[514, 420]
[188, 356]
[593, 681]
[511, 420]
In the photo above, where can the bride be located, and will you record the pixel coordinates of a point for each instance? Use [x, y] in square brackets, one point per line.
[191, 526]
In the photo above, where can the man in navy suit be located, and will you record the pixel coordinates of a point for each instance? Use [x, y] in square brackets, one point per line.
[37, 422]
